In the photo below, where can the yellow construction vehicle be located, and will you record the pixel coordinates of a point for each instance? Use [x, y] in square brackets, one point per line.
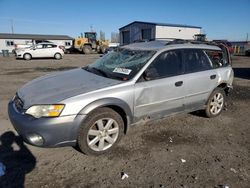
[90, 44]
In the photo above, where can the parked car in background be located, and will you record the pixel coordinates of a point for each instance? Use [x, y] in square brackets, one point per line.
[29, 44]
[41, 50]
[247, 49]
[227, 44]
[94, 106]
[247, 52]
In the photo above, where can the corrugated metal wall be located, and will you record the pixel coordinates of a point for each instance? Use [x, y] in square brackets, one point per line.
[135, 32]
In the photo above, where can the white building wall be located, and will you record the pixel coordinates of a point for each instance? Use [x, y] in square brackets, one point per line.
[176, 32]
[3, 43]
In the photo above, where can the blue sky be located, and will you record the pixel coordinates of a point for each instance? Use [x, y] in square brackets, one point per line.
[220, 19]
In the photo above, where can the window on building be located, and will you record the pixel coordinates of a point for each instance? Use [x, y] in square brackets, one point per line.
[9, 43]
[67, 43]
[146, 34]
[195, 60]
[126, 37]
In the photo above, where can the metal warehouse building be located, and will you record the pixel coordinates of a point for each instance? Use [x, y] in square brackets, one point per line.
[8, 41]
[137, 31]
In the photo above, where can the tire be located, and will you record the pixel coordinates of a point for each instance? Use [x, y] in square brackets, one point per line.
[247, 53]
[58, 56]
[100, 131]
[27, 56]
[86, 49]
[103, 50]
[216, 103]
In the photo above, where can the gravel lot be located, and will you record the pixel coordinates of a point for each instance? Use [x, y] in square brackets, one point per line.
[216, 151]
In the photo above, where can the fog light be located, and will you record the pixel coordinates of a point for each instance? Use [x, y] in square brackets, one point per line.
[35, 139]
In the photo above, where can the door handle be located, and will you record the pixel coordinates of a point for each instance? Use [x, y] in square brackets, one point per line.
[213, 76]
[178, 84]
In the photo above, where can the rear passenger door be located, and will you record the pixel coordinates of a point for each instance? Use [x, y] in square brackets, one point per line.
[201, 78]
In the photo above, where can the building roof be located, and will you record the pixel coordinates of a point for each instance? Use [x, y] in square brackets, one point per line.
[161, 24]
[34, 36]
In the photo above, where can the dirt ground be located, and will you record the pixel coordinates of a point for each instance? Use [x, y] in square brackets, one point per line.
[216, 151]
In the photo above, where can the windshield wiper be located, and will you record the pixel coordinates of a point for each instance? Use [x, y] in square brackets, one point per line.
[99, 71]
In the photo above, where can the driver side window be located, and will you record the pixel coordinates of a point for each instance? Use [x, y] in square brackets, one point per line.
[165, 65]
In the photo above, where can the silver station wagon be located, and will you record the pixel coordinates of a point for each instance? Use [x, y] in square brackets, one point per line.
[94, 106]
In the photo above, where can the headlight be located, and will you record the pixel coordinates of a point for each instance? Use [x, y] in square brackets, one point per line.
[45, 110]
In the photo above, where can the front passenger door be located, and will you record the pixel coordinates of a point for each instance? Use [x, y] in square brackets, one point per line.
[160, 90]
[37, 50]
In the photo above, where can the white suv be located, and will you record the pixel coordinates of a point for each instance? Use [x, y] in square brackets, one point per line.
[41, 50]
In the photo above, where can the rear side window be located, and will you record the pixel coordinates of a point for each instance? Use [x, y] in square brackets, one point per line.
[49, 46]
[196, 60]
[216, 57]
[167, 64]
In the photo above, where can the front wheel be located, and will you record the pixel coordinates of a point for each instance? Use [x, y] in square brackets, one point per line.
[215, 103]
[87, 49]
[27, 56]
[100, 132]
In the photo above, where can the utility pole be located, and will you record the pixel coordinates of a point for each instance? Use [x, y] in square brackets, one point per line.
[247, 37]
[91, 28]
[12, 26]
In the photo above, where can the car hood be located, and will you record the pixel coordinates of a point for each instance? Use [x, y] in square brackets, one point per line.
[53, 88]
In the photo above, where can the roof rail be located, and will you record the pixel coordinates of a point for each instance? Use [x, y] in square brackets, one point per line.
[184, 41]
[170, 41]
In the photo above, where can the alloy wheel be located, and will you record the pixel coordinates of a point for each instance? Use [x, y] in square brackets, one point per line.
[102, 134]
[216, 103]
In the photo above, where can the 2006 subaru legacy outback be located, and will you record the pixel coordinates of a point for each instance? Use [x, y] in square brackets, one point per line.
[94, 106]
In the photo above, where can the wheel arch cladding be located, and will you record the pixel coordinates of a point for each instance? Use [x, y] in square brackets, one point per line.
[224, 86]
[118, 105]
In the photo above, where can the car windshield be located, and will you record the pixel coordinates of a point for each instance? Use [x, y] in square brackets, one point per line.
[122, 64]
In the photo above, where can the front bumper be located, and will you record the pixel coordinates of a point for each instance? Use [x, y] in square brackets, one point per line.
[19, 55]
[59, 131]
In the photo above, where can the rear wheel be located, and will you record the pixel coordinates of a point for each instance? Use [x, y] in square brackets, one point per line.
[215, 103]
[86, 49]
[58, 56]
[27, 56]
[100, 132]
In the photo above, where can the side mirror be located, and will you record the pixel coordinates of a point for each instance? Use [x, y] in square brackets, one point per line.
[150, 74]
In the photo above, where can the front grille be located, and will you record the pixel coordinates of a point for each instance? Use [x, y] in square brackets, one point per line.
[18, 103]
